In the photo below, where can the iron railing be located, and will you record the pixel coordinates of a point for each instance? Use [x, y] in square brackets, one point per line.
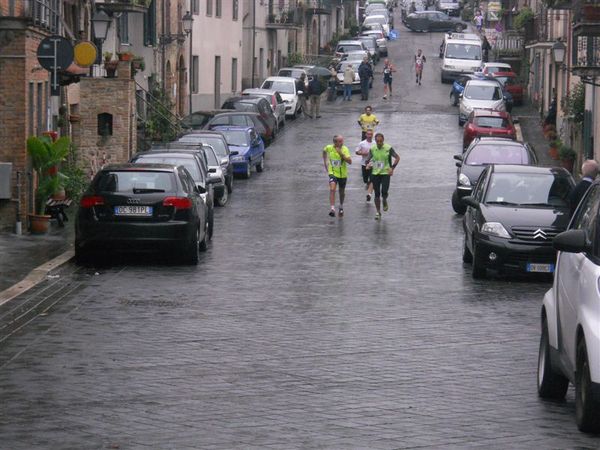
[45, 14]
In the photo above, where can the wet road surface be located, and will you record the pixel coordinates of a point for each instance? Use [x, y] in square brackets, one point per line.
[298, 330]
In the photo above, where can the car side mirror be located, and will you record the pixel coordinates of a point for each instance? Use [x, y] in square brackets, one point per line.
[458, 157]
[470, 201]
[212, 170]
[571, 241]
[200, 189]
[515, 120]
[460, 95]
[224, 160]
[233, 153]
[300, 92]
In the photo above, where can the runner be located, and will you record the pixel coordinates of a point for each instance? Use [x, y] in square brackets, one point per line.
[379, 160]
[367, 121]
[336, 158]
[388, 69]
[420, 60]
[363, 150]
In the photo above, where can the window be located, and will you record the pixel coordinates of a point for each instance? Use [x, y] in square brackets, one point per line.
[195, 6]
[234, 70]
[105, 124]
[235, 9]
[195, 73]
[30, 108]
[150, 25]
[209, 7]
[40, 108]
[123, 28]
[219, 8]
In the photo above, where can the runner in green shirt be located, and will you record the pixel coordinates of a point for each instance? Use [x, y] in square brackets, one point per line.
[382, 168]
[336, 158]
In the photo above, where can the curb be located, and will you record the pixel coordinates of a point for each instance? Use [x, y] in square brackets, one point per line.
[34, 277]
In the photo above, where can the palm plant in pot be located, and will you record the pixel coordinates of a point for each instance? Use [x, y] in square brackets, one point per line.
[46, 155]
[567, 157]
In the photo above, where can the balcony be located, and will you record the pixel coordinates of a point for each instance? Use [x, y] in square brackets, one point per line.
[45, 14]
[586, 40]
[120, 6]
[284, 16]
[318, 7]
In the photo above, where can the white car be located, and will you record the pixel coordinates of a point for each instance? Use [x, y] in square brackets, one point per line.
[570, 339]
[481, 94]
[378, 19]
[274, 99]
[286, 86]
[490, 68]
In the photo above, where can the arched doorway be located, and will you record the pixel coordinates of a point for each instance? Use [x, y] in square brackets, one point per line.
[314, 38]
[181, 71]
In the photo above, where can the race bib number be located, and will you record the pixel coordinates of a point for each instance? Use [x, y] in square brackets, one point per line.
[336, 163]
[379, 165]
[419, 62]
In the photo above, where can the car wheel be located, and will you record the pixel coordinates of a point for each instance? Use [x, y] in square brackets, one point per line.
[230, 185]
[82, 257]
[460, 122]
[203, 244]
[587, 404]
[261, 164]
[222, 201]
[478, 271]
[457, 205]
[467, 256]
[459, 28]
[211, 225]
[550, 384]
[248, 171]
[191, 254]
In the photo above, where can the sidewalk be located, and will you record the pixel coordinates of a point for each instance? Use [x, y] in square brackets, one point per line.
[19, 255]
[530, 122]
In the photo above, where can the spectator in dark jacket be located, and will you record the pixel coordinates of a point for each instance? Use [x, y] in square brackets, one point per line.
[315, 89]
[589, 171]
[365, 74]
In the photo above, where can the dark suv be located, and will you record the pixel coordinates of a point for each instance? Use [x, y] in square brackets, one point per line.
[249, 103]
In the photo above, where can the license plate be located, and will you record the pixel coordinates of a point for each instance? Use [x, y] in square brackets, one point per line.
[544, 268]
[131, 210]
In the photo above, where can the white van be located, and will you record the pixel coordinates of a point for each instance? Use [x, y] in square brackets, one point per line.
[461, 54]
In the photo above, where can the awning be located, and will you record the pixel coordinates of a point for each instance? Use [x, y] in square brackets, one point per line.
[540, 45]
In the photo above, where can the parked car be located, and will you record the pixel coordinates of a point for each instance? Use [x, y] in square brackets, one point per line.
[512, 216]
[286, 86]
[199, 119]
[485, 94]
[458, 87]
[243, 119]
[274, 99]
[379, 37]
[249, 147]
[383, 20]
[145, 207]
[195, 163]
[247, 103]
[217, 141]
[490, 68]
[346, 46]
[482, 152]
[485, 122]
[433, 21]
[512, 84]
[569, 348]
[340, 75]
[371, 43]
[356, 57]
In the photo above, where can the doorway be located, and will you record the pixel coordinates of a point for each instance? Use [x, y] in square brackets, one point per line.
[217, 82]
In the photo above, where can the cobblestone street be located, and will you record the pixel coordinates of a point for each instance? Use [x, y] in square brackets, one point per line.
[297, 330]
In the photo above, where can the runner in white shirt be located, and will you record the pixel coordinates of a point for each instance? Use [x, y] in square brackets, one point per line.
[363, 150]
[420, 61]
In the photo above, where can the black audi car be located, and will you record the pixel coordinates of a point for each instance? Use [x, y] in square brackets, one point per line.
[513, 215]
[482, 152]
[143, 207]
[433, 21]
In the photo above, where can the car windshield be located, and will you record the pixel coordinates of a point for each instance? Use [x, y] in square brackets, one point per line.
[188, 163]
[490, 122]
[375, 19]
[355, 56]
[529, 189]
[483, 154]
[284, 87]
[294, 73]
[236, 137]
[211, 157]
[479, 92]
[229, 119]
[241, 106]
[135, 181]
[196, 120]
[368, 43]
[463, 51]
[346, 48]
[215, 142]
[506, 80]
[492, 69]
[342, 66]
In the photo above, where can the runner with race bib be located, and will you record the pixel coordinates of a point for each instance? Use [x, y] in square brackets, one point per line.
[420, 61]
[382, 168]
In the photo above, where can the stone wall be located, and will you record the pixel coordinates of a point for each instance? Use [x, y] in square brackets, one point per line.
[115, 96]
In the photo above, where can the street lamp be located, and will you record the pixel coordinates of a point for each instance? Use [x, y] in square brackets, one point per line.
[101, 24]
[187, 21]
[558, 52]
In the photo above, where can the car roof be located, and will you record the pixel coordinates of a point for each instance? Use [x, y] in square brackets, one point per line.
[498, 141]
[166, 152]
[156, 167]
[479, 82]
[244, 99]
[496, 64]
[515, 168]
[232, 112]
[201, 132]
[256, 91]
[505, 74]
[286, 79]
[349, 41]
[233, 128]
[486, 112]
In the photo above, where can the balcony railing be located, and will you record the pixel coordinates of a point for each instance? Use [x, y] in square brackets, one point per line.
[45, 14]
[586, 40]
[285, 15]
[318, 6]
[537, 29]
[119, 6]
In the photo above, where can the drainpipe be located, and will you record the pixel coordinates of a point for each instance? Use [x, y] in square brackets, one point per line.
[253, 40]
[18, 225]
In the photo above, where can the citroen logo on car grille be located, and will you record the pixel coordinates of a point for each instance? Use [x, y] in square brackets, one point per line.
[134, 201]
[539, 234]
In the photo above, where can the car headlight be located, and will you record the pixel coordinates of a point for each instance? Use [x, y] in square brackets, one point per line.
[495, 229]
[476, 68]
[464, 180]
[287, 101]
[449, 67]
[238, 158]
[467, 107]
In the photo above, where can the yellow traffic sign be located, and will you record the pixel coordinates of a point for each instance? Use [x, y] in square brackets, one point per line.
[85, 53]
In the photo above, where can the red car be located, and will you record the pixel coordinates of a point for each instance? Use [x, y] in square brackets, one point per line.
[487, 122]
[512, 85]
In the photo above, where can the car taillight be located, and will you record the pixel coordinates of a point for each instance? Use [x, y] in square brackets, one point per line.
[178, 202]
[90, 201]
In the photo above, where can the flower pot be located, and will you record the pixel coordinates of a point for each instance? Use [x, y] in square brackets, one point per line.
[38, 224]
[52, 171]
[125, 56]
[59, 195]
[567, 164]
[553, 152]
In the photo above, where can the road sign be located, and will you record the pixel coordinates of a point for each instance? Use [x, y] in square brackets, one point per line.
[85, 53]
[55, 53]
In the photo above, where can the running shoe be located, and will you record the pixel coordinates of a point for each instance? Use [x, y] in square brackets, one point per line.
[368, 197]
[385, 97]
[377, 216]
[341, 212]
[385, 205]
[332, 212]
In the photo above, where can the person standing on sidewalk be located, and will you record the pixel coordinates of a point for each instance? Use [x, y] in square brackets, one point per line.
[478, 19]
[589, 172]
[336, 158]
[382, 168]
[363, 149]
[367, 121]
[348, 80]
[314, 92]
[420, 61]
[388, 69]
[301, 86]
[365, 73]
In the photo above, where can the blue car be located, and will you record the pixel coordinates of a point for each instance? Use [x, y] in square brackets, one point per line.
[247, 149]
[458, 86]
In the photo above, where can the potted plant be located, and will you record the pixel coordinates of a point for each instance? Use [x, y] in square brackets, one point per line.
[125, 56]
[567, 157]
[554, 148]
[110, 65]
[138, 64]
[45, 157]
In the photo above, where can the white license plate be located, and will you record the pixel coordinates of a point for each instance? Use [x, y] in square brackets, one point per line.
[131, 210]
[544, 268]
